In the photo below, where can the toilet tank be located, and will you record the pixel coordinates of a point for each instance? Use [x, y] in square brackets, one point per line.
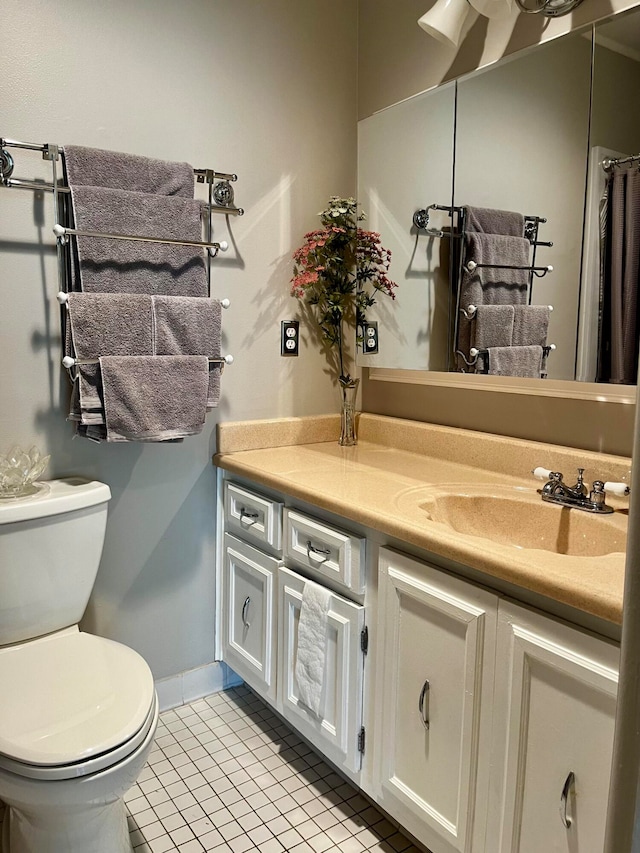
[50, 549]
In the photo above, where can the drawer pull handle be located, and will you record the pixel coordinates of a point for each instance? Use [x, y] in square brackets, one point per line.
[566, 790]
[248, 515]
[245, 607]
[318, 552]
[423, 705]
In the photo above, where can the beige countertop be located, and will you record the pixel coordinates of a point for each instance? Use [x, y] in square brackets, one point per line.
[388, 481]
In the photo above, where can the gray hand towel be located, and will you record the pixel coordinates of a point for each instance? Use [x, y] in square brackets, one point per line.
[493, 326]
[530, 325]
[190, 326]
[124, 266]
[489, 221]
[104, 324]
[96, 167]
[155, 398]
[515, 361]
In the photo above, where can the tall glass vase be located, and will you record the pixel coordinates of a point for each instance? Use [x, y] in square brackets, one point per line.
[348, 392]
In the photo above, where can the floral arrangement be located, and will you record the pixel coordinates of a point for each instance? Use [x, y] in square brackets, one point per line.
[337, 271]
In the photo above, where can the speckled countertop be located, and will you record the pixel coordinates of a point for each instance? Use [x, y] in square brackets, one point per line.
[391, 478]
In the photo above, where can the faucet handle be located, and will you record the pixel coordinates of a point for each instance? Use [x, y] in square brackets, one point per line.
[620, 489]
[542, 473]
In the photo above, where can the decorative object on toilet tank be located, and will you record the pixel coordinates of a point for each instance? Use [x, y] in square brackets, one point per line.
[19, 470]
[337, 272]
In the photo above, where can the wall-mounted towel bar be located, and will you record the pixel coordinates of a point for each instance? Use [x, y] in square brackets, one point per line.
[540, 272]
[220, 191]
[63, 234]
[68, 361]
[63, 299]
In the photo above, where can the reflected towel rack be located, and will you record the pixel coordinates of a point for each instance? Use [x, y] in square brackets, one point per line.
[540, 272]
[421, 222]
[482, 354]
[470, 311]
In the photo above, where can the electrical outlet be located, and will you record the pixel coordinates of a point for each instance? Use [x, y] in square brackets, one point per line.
[289, 337]
[369, 337]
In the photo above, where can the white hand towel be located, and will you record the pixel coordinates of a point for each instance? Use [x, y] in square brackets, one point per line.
[312, 646]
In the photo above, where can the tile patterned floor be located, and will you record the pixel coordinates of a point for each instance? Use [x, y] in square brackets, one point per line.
[227, 775]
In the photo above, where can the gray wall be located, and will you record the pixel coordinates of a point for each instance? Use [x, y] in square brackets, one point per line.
[263, 89]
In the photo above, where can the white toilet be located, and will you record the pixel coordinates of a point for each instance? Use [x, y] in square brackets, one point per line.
[77, 712]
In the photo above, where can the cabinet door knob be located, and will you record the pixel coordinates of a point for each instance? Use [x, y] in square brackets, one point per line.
[566, 790]
[245, 607]
[247, 515]
[423, 704]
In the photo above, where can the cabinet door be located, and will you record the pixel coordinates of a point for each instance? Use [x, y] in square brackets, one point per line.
[553, 748]
[336, 733]
[249, 615]
[437, 655]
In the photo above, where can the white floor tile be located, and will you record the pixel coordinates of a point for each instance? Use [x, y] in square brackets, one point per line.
[226, 775]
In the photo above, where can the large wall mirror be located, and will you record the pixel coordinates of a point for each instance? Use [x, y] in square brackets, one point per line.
[527, 135]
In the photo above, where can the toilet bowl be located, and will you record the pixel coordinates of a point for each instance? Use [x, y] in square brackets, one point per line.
[78, 712]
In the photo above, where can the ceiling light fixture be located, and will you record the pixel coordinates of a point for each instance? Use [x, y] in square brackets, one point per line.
[444, 21]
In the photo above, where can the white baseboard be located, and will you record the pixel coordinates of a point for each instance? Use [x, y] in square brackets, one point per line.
[194, 684]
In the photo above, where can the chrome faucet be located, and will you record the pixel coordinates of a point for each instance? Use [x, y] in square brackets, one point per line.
[556, 491]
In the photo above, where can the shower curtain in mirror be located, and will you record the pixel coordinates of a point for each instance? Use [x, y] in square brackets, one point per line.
[618, 356]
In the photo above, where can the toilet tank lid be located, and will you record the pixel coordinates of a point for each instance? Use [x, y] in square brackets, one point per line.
[56, 497]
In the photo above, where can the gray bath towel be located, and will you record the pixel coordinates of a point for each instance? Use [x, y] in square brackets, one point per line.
[124, 266]
[515, 361]
[493, 326]
[104, 324]
[491, 286]
[96, 167]
[189, 326]
[155, 398]
[530, 325]
[489, 221]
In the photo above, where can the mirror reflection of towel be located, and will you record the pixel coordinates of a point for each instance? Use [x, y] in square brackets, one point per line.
[493, 326]
[530, 325]
[515, 361]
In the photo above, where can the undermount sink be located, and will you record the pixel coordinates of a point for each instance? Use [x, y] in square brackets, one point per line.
[519, 518]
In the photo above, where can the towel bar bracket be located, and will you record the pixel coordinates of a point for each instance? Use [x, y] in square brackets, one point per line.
[7, 165]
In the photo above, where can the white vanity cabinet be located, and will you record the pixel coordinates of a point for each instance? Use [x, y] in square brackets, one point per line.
[337, 732]
[555, 703]
[435, 681]
[489, 724]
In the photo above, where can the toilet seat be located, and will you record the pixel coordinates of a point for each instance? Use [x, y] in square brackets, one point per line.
[76, 704]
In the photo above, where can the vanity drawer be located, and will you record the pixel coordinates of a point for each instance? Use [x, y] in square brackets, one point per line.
[324, 551]
[253, 517]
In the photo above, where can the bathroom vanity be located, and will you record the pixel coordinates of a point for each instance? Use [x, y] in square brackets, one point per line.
[473, 631]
